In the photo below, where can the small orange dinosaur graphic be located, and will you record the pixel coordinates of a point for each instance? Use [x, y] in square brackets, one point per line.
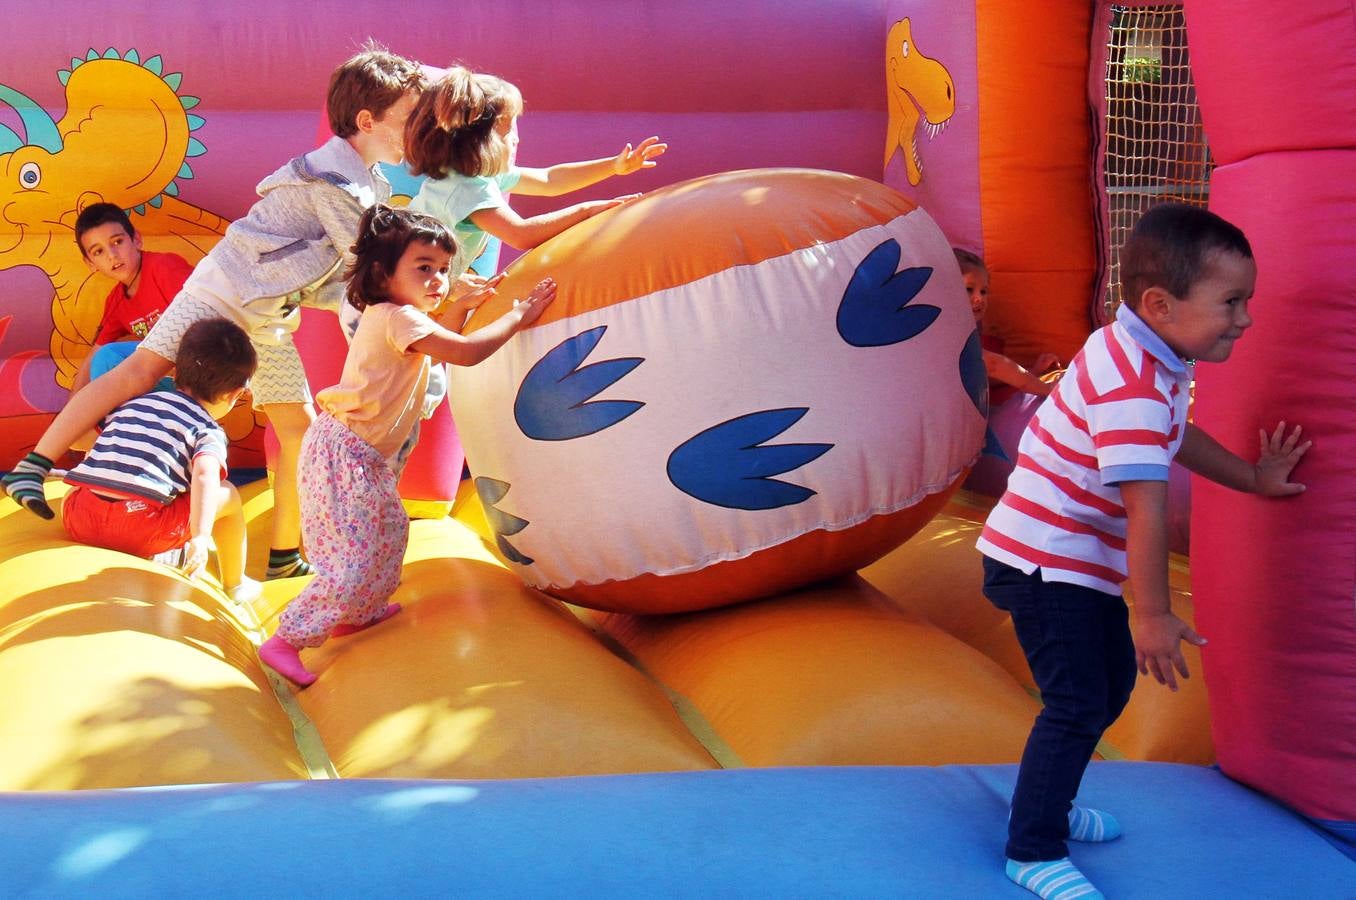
[125, 138]
[918, 89]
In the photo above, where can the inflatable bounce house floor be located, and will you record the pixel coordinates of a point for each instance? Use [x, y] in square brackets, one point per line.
[807, 832]
[119, 711]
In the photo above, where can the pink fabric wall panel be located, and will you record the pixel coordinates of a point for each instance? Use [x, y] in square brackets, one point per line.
[1274, 589]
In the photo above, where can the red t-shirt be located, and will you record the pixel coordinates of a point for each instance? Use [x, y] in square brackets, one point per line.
[162, 275]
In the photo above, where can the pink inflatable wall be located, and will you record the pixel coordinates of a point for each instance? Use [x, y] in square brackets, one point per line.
[1274, 586]
[728, 85]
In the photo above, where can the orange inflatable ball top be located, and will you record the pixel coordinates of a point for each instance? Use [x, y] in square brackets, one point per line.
[747, 382]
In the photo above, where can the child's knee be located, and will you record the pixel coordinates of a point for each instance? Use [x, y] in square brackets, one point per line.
[290, 421]
[229, 500]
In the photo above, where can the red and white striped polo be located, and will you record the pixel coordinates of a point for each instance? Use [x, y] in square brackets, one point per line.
[1118, 414]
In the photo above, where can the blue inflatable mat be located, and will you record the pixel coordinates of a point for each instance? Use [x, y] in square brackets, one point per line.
[814, 832]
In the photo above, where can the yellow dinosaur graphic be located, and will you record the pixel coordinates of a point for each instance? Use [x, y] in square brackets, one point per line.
[918, 89]
[125, 139]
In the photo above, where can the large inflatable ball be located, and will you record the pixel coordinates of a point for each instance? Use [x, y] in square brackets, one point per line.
[748, 382]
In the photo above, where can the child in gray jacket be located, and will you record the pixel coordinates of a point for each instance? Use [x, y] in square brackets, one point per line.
[287, 252]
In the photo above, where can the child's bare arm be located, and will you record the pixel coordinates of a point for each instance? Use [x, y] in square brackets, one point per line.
[204, 498]
[467, 350]
[1006, 370]
[468, 293]
[1280, 453]
[563, 178]
[82, 374]
[1158, 633]
[524, 234]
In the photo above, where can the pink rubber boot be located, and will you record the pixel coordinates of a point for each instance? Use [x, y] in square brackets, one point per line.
[283, 658]
[344, 628]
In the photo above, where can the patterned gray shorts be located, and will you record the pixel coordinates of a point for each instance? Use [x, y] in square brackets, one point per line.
[280, 377]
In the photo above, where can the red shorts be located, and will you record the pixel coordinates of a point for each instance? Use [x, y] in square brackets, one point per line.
[139, 527]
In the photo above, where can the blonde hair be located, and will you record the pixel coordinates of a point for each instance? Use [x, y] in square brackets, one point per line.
[452, 127]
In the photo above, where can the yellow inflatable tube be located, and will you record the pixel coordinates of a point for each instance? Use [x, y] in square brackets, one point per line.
[116, 672]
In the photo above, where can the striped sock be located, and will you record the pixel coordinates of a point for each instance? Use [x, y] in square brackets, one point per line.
[24, 484]
[1094, 825]
[287, 564]
[1054, 879]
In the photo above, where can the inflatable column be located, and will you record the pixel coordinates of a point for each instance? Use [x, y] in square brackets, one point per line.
[1274, 585]
[987, 128]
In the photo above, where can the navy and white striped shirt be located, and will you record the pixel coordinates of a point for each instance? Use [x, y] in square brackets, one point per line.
[147, 448]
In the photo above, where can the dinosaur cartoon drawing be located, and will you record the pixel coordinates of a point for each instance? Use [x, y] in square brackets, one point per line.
[919, 89]
[125, 138]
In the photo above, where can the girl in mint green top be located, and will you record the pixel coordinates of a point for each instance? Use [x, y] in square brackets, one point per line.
[463, 135]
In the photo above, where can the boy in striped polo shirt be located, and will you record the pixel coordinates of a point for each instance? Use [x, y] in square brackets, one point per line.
[155, 478]
[1086, 507]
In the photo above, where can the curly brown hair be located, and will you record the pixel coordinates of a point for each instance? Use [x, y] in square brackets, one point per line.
[383, 234]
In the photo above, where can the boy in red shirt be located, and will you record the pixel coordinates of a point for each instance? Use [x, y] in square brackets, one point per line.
[146, 283]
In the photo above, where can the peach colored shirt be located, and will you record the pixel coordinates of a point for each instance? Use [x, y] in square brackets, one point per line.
[381, 392]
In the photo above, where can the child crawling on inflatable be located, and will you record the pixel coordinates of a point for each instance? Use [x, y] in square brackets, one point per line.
[355, 526]
[1086, 508]
[154, 480]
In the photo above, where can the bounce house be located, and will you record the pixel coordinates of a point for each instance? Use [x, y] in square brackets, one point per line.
[704, 618]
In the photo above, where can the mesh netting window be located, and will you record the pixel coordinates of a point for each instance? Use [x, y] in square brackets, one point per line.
[1155, 147]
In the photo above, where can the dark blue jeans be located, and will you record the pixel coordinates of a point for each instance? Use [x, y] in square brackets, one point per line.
[1077, 641]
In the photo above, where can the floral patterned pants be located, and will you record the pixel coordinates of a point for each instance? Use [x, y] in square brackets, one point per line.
[355, 530]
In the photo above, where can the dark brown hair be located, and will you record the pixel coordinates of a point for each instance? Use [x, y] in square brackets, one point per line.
[97, 214]
[1170, 248]
[383, 234]
[215, 357]
[373, 80]
[452, 126]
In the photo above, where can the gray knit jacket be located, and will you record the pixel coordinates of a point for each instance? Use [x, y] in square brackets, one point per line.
[305, 220]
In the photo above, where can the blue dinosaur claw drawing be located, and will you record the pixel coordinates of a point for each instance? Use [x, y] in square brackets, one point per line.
[552, 402]
[973, 375]
[875, 310]
[491, 491]
[726, 466]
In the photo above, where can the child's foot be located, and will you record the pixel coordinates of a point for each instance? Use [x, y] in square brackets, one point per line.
[287, 564]
[285, 659]
[1093, 825]
[344, 628]
[246, 592]
[1055, 879]
[24, 484]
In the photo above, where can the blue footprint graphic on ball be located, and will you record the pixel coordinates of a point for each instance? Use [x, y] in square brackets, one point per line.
[875, 310]
[491, 491]
[725, 465]
[553, 400]
[975, 380]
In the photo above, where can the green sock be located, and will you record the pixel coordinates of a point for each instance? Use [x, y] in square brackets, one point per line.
[287, 564]
[24, 484]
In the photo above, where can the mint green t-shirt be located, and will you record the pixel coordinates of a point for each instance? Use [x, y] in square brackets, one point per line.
[452, 200]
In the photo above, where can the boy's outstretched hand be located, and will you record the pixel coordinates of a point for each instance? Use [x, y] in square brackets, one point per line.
[643, 157]
[1158, 647]
[1280, 454]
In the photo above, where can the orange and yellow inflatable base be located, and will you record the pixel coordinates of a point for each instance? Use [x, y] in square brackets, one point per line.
[119, 672]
